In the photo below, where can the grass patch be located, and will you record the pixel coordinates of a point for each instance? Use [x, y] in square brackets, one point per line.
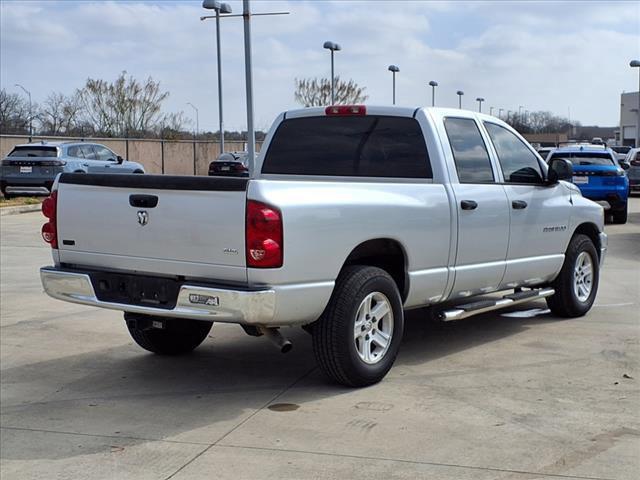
[14, 202]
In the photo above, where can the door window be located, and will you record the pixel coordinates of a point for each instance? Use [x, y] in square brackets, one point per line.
[104, 153]
[469, 151]
[518, 163]
[88, 152]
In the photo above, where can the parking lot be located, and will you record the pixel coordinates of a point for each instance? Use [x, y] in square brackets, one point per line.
[502, 395]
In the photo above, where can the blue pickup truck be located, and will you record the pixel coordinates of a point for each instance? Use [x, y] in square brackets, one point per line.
[599, 176]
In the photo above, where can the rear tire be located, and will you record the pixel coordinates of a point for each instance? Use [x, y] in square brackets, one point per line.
[577, 284]
[357, 338]
[620, 216]
[177, 337]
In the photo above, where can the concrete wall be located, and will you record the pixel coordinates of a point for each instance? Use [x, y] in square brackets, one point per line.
[175, 157]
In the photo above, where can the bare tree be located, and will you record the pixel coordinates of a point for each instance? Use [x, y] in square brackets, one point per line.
[60, 114]
[14, 113]
[125, 107]
[312, 92]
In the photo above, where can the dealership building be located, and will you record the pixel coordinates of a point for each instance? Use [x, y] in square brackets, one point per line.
[629, 118]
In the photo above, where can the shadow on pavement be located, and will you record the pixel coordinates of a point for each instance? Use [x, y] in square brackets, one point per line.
[127, 393]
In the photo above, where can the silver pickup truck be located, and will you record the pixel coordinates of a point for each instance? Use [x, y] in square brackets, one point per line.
[352, 215]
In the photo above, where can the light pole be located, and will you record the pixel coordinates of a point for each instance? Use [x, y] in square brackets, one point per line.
[490, 110]
[433, 84]
[520, 113]
[636, 64]
[197, 118]
[334, 47]
[500, 112]
[480, 100]
[460, 93]
[30, 112]
[226, 9]
[393, 69]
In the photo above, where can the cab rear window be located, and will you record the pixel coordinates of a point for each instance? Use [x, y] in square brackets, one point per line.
[34, 152]
[362, 146]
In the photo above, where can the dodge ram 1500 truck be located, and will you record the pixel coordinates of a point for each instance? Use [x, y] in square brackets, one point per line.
[353, 214]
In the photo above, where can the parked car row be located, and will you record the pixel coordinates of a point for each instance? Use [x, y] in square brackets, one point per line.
[599, 173]
[31, 168]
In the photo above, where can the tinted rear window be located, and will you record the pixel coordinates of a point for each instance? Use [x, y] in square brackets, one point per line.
[363, 146]
[34, 152]
[586, 158]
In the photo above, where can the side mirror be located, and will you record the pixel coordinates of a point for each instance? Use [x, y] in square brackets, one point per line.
[119, 159]
[559, 169]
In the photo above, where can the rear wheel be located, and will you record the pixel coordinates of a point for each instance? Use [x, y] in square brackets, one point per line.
[620, 216]
[358, 336]
[166, 336]
[577, 284]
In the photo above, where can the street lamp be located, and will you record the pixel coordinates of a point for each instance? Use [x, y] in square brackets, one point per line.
[636, 64]
[30, 111]
[334, 47]
[490, 110]
[393, 69]
[433, 84]
[219, 8]
[197, 118]
[520, 113]
[480, 100]
[500, 112]
[460, 93]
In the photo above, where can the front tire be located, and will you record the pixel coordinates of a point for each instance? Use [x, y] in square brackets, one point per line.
[357, 338]
[177, 335]
[577, 284]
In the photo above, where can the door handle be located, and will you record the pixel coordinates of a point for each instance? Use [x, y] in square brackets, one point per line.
[85, 164]
[107, 166]
[468, 205]
[519, 204]
[143, 201]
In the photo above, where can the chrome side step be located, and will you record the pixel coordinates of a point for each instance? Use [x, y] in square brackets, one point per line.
[482, 306]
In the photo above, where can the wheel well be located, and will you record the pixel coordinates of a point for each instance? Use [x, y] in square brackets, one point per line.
[138, 171]
[591, 231]
[386, 254]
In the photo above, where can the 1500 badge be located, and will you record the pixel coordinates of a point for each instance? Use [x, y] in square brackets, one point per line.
[204, 299]
[560, 228]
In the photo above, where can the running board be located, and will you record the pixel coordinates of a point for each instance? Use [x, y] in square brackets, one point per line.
[482, 306]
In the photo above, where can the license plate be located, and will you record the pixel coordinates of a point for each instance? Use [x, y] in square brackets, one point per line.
[580, 179]
[26, 169]
[225, 169]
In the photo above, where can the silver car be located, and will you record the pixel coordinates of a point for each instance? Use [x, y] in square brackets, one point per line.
[633, 159]
[31, 168]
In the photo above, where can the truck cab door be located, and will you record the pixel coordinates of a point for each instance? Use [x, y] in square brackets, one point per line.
[482, 212]
[539, 213]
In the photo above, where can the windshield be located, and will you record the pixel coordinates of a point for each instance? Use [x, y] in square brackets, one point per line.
[34, 152]
[586, 158]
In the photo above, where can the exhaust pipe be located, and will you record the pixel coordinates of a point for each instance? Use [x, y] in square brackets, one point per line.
[273, 334]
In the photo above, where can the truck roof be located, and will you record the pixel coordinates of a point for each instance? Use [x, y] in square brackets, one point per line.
[393, 110]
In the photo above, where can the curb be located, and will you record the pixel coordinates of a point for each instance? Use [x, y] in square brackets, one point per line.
[20, 209]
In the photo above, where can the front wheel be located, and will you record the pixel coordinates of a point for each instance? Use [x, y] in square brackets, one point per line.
[577, 284]
[358, 336]
[166, 336]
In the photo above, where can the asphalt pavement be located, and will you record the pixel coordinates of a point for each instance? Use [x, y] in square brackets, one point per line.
[519, 395]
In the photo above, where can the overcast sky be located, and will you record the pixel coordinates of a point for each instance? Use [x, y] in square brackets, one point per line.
[542, 55]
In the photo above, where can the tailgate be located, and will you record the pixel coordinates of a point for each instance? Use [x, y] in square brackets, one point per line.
[196, 228]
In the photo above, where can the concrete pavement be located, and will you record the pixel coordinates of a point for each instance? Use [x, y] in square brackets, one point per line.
[499, 396]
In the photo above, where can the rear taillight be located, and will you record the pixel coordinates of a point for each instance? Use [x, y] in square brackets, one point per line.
[346, 110]
[635, 163]
[50, 229]
[263, 236]
[238, 167]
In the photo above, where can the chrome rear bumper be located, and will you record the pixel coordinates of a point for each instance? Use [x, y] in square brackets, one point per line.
[251, 307]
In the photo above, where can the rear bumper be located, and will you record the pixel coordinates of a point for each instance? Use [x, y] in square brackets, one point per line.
[249, 307]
